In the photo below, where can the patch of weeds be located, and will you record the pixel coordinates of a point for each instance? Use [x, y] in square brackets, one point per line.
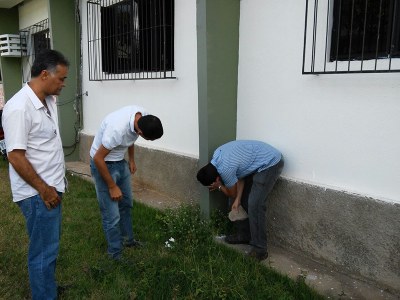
[220, 222]
[184, 227]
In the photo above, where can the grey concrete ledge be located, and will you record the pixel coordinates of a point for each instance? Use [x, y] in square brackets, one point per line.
[358, 235]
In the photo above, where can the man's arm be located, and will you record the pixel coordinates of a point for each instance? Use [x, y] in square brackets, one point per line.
[230, 192]
[24, 169]
[131, 154]
[101, 166]
[240, 188]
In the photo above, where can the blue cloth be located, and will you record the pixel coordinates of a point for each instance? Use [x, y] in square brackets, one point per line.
[238, 159]
[44, 228]
[116, 215]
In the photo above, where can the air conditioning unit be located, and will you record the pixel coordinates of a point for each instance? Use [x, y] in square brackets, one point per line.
[12, 45]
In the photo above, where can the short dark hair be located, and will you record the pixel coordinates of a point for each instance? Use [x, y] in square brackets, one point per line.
[47, 60]
[207, 174]
[151, 127]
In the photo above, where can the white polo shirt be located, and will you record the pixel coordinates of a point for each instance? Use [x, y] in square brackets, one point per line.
[117, 132]
[28, 126]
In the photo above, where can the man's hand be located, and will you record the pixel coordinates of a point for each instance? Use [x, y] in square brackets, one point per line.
[236, 204]
[132, 166]
[215, 185]
[98, 159]
[50, 197]
[115, 193]
[131, 154]
[24, 169]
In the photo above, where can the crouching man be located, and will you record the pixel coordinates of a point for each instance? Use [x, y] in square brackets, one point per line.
[245, 171]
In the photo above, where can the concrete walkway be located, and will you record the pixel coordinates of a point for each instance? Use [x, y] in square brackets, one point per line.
[328, 282]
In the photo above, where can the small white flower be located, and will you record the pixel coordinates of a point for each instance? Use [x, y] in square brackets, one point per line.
[171, 239]
[168, 245]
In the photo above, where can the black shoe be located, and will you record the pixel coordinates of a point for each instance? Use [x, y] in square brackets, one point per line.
[237, 239]
[258, 254]
[134, 244]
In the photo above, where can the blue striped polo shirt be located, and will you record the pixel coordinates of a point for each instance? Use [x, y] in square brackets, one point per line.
[237, 159]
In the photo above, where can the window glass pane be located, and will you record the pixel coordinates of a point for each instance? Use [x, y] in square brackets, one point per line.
[362, 29]
[136, 37]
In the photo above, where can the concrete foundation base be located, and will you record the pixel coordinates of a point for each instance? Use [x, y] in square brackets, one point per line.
[352, 234]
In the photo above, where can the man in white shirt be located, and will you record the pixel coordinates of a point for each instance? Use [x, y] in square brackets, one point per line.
[112, 173]
[37, 167]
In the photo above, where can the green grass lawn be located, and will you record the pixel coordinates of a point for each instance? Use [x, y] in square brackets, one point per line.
[195, 267]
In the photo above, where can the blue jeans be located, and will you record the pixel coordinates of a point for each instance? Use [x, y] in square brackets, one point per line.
[255, 196]
[44, 229]
[116, 215]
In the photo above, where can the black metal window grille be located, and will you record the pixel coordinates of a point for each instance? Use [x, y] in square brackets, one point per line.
[130, 39]
[351, 36]
[36, 38]
[41, 41]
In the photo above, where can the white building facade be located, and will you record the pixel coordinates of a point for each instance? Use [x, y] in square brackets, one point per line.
[339, 196]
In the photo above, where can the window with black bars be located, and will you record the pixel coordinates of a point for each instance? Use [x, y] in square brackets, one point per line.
[130, 39]
[351, 36]
[37, 39]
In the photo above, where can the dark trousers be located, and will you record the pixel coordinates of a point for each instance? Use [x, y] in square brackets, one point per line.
[254, 200]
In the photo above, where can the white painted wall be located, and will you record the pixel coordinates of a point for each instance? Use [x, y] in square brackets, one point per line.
[174, 101]
[32, 12]
[339, 131]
